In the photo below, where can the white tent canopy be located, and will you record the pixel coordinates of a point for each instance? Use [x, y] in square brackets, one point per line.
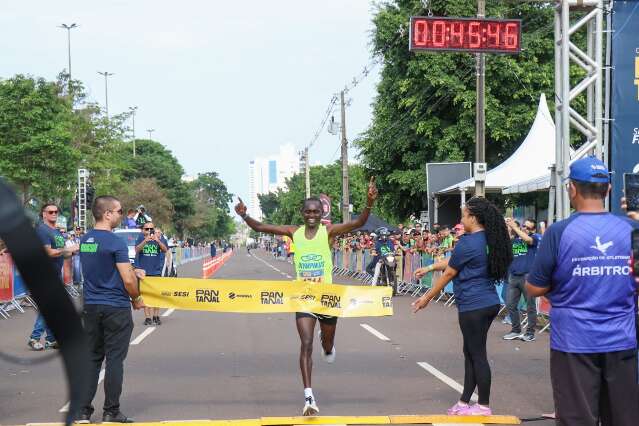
[529, 163]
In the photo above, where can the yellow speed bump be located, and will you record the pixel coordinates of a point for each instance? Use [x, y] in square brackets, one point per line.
[334, 420]
[443, 419]
[326, 420]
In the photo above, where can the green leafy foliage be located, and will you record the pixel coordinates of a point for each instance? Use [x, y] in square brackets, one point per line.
[284, 206]
[425, 108]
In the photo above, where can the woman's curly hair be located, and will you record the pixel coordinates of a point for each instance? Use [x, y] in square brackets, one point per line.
[500, 253]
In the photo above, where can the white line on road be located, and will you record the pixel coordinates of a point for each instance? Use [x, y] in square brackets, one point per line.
[284, 274]
[375, 333]
[142, 335]
[65, 409]
[444, 378]
[168, 312]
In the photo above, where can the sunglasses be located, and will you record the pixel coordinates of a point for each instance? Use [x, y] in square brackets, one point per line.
[116, 211]
[51, 212]
[148, 229]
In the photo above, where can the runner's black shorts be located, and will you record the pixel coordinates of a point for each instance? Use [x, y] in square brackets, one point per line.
[323, 319]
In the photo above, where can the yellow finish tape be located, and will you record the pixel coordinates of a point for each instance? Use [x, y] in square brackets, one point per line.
[267, 296]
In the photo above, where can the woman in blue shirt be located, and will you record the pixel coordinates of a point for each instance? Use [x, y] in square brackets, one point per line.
[480, 258]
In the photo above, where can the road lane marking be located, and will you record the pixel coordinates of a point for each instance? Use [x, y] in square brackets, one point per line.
[142, 335]
[65, 409]
[168, 312]
[444, 378]
[375, 333]
[284, 274]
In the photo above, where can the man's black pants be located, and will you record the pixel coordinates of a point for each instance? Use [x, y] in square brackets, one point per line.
[109, 330]
[588, 388]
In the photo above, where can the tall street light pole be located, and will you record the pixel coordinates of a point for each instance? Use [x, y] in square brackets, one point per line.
[346, 214]
[106, 75]
[480, 130]
[69, 28]
[133, 110]
[150, 132]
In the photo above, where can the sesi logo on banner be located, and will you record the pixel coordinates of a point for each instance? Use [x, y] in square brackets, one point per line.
[266, 296]
[624, 144]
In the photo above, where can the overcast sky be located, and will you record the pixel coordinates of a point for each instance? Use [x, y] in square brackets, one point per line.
[221, 82]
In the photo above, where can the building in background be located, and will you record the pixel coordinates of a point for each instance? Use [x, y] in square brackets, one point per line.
[268, 174]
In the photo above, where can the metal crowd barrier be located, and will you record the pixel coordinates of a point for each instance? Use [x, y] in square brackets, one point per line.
[14, 295]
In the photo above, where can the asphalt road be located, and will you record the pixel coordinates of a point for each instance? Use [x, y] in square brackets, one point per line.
[201, 365]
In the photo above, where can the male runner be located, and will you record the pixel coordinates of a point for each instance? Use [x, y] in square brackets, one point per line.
[313, 239]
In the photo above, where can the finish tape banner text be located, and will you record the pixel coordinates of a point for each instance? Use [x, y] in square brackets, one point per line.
[262, 297]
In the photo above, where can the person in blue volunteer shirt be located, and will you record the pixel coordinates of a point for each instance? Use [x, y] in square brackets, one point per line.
[582, 266]
[525, 242]
[54, 245]
[480, 258]
[110, 288]
[149, 255]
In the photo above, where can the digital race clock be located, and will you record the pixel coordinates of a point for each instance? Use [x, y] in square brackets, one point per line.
[465, 34]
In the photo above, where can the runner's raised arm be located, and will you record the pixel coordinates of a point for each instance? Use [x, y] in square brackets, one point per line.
[343, 228]
[258, 226]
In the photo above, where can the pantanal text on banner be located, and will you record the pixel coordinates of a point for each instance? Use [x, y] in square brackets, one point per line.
[256, 296]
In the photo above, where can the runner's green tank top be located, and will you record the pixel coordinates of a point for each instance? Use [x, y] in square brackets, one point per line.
[313, 260]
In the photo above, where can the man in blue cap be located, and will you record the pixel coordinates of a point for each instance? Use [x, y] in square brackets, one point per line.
[582, 266]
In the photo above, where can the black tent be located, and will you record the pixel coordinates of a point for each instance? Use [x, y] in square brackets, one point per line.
[373, 223]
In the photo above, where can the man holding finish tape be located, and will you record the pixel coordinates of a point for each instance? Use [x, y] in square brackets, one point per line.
[313, 240]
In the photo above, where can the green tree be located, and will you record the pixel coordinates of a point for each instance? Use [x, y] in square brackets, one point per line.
[153, 160]
[425, 107]
[324, 180]
[269, 203]
[36, 153]
[147, 192]
[211, 219]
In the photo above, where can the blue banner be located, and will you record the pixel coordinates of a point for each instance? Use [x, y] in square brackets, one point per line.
[624, 143]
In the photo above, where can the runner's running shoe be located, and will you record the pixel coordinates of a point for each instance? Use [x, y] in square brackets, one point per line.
[329, 358]
[310, 407]
[476, 410]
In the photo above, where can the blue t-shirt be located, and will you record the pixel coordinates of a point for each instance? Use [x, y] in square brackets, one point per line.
[473, 287]
[150, 258]
[524, 255]
[99, 252]
[53, 238]
[584, 262]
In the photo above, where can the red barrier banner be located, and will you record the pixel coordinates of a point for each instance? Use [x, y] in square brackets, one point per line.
[6, 278]
[209, 267]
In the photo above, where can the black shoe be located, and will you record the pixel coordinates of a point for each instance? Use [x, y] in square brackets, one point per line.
[82, 419]
[148, 321]
[156, 321]
[116, 418]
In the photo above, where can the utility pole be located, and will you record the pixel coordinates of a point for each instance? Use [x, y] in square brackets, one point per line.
[133, 110]
[69, 28]
[307, 173]
[346, 214]
[106, 75]
[480, 127]
[150, 132]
